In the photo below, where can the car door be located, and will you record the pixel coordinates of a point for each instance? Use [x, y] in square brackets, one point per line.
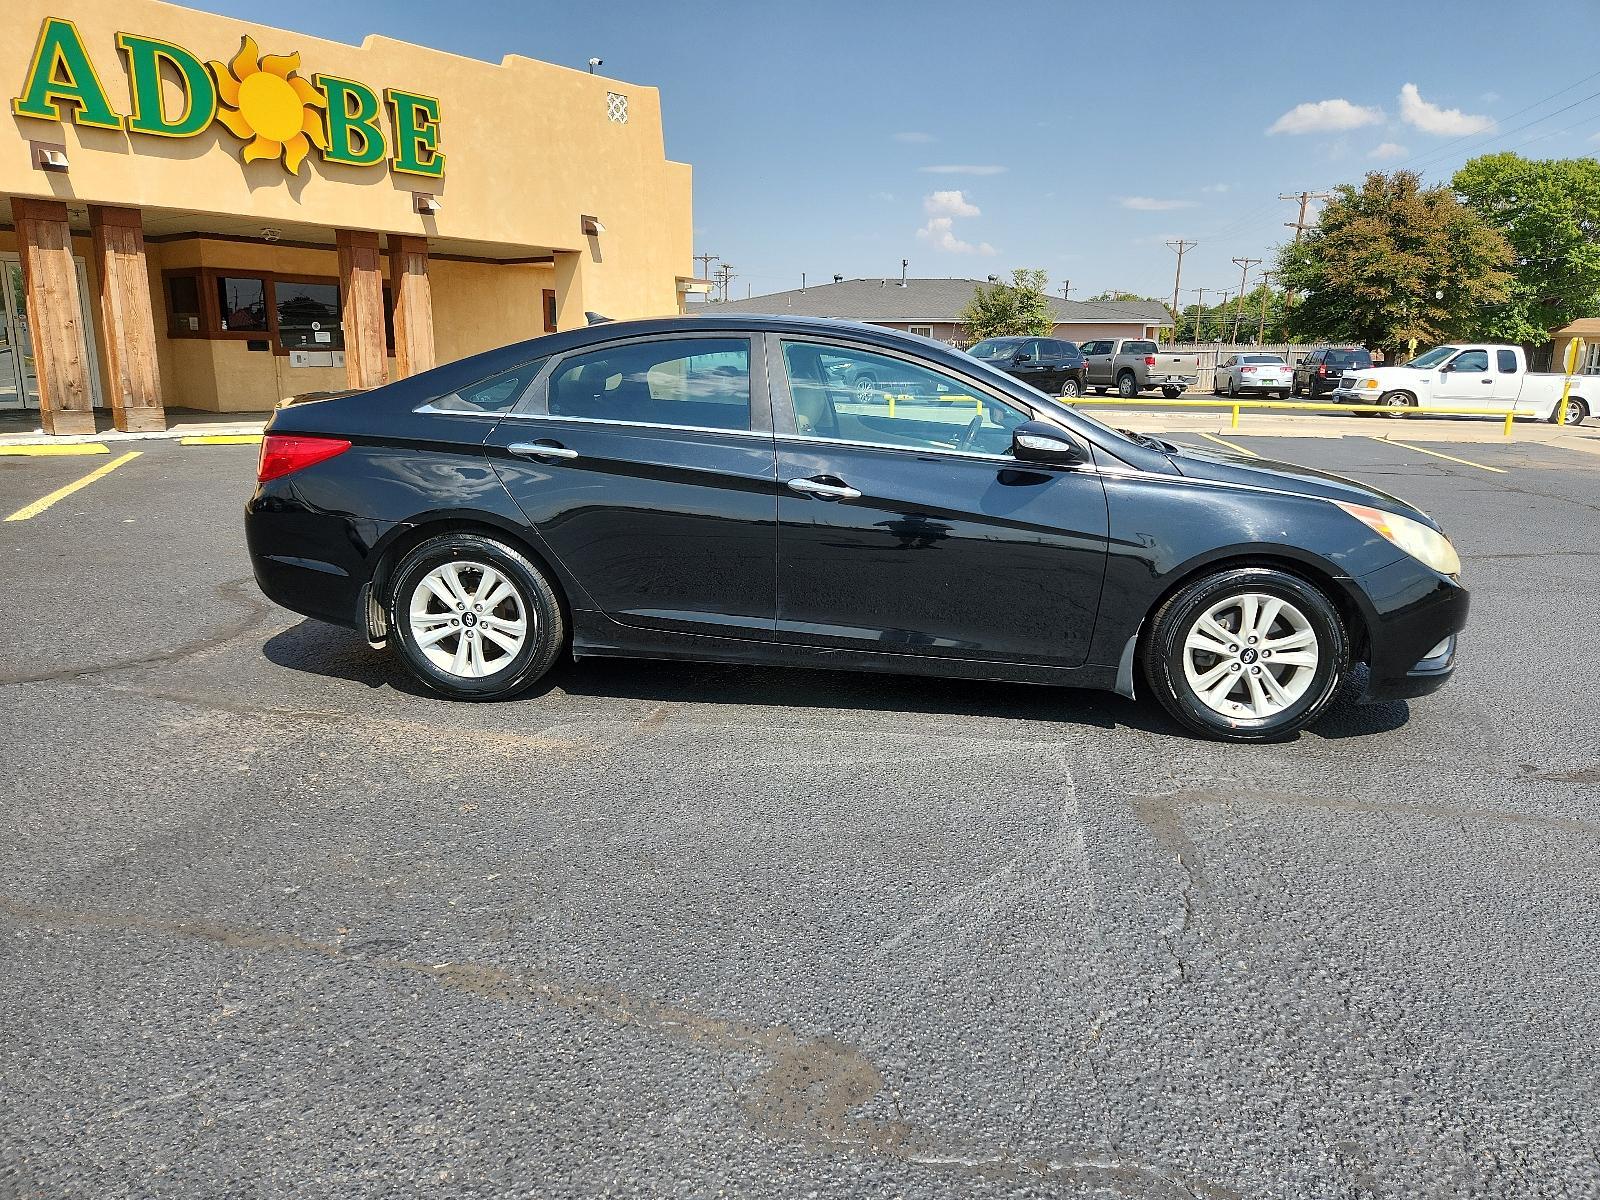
[1225, 374]
[915, 532]
[1467, 383]
[1508, 378]
[1031, 364]
[646, 467]
[1093, 368]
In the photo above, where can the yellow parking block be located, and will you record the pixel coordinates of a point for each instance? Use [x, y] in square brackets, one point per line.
[221, 439]
[61, 493]
[51, 449]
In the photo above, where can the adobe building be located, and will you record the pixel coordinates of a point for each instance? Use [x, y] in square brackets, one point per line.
[199, 213]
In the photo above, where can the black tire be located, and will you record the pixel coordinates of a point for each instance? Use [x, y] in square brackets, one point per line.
[533, 591]
[1071, 389]
[1128, 385]
[1577, 410]
[1233, 388]
[1162, 665]
[1283, 395]
[1171, 393]
[1399, 401]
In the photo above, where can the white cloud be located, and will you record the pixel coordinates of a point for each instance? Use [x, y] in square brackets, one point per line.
[914, 138]
[963, 169]
[1151, 204]
[1217, 187]
[1325, 116]
[940, 233]
[1430, 118]
[1387, 150]
[949, 204]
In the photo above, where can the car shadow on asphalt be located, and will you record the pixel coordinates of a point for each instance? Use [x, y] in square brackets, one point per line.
[336, 653]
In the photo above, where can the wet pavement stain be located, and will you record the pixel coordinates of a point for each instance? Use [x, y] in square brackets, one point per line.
[807, 1093]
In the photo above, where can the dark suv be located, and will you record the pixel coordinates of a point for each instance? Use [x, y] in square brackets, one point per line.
[1319, 371]
[1053, 366]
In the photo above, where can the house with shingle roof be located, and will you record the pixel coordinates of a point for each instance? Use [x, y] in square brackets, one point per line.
[933, 307]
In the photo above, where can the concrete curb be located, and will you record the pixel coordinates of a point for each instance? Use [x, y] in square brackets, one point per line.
[187, 429]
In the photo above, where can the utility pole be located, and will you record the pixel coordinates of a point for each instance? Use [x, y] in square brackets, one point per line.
[1266, 294]
[725, 277]
[1305, 199]
[1244, 265]
[1200, 311]
[1066, 287]
[1180, 247]
[705, 261]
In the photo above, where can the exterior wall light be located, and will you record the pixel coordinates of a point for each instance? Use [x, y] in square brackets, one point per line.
[47, 157]
[425, 203]
[592, 226]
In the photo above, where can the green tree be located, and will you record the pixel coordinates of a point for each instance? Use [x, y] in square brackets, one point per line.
[1393, 263]
[1016, 309]
[1550, 213]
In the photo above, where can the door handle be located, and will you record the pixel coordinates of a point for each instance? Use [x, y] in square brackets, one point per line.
[824, 490]
[541, 450]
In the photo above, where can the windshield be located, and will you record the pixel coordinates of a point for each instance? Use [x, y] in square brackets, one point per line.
[1011, 382]
[1433, 357]
[992, 348]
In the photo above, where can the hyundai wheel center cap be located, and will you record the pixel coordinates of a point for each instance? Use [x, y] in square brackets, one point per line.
[1248, 655]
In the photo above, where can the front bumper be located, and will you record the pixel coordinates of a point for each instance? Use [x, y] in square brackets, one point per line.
[1412, 632]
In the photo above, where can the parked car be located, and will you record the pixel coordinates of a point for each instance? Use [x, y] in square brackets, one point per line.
[1239, 374]
[1319, 372]
[1471, 376]
[704, 488]
[1053, 366]
[1130, 366]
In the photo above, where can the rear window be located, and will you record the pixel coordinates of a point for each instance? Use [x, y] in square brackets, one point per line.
[1138, 347]
[495, 394]
[1264, 358]
[1349, 359]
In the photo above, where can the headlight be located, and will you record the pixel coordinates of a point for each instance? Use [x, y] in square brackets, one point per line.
[1424, 544]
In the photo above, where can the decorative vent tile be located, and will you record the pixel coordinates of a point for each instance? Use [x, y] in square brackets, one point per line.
[617, 108]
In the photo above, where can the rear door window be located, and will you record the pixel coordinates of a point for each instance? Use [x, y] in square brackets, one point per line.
[686, 382]
[1507, 360]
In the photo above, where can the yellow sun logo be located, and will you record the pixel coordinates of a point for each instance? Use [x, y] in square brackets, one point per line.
[269, 106]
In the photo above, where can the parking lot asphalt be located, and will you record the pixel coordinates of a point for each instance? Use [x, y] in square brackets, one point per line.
[273, 922]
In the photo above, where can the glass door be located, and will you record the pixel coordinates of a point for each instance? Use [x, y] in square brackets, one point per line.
[19, 375]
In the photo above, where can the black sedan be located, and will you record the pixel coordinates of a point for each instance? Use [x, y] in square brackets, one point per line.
[708, 488]
[1048, 364]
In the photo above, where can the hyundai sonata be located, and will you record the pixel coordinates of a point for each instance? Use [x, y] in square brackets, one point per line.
[714, 488]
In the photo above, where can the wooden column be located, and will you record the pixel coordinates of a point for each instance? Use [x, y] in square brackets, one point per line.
[130, 325]
[413, 305]
[570, 300]
[361, 284]
[55, 315]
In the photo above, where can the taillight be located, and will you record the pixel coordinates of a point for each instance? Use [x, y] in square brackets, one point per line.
[1149, 360]
[1248, 370]
[1322, 370]
[282, 453]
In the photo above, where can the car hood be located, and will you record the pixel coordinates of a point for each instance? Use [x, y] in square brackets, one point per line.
[1227, 467]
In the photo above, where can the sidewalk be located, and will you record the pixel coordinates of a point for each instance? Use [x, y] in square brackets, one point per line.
[23, 428]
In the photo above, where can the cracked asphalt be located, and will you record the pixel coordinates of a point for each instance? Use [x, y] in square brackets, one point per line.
[273, 923]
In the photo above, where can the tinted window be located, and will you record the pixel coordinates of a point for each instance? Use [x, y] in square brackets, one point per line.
[702, 382]
[1264, 358]
[1066, 349]
[308, 315]
[183, 304]
[242, 301]
[1471, 360]
[1138, 347]
[996, 349]
[848, 395]
[495, 394]
[1508, 361]
[1349, 360]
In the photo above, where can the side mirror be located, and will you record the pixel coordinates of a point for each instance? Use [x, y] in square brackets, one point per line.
[1022, 358]
[1041, 442]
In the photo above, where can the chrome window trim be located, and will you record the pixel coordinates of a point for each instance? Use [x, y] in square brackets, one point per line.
[764, 434]
[812, 439]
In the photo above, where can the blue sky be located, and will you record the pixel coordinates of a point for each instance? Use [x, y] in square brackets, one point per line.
[972, 138]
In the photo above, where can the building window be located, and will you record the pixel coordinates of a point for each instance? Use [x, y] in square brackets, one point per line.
[242, 304]
[920, 330]
[308, 314]
[549, 310]
[617, 108]
[183, 305]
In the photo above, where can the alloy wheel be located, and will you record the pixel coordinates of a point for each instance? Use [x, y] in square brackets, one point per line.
[468, 619]
[1250, 655]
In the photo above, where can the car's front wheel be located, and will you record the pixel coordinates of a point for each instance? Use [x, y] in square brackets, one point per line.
[473, 618]
[1127, 386]
[1250, 654]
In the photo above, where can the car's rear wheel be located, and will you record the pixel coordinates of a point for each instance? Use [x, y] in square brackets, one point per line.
[473, 618]
[1070, 389]
[1577, 410]
[1251, 654]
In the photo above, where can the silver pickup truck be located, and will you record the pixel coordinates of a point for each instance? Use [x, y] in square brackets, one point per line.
[1129, 366]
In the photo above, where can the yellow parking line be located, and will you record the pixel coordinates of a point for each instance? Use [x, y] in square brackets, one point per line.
[61, 493]
[220, 439]
[1211, 437]
[44, 449]
[1466, 462]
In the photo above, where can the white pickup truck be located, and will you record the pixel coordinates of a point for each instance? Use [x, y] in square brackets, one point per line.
[1471, 376]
